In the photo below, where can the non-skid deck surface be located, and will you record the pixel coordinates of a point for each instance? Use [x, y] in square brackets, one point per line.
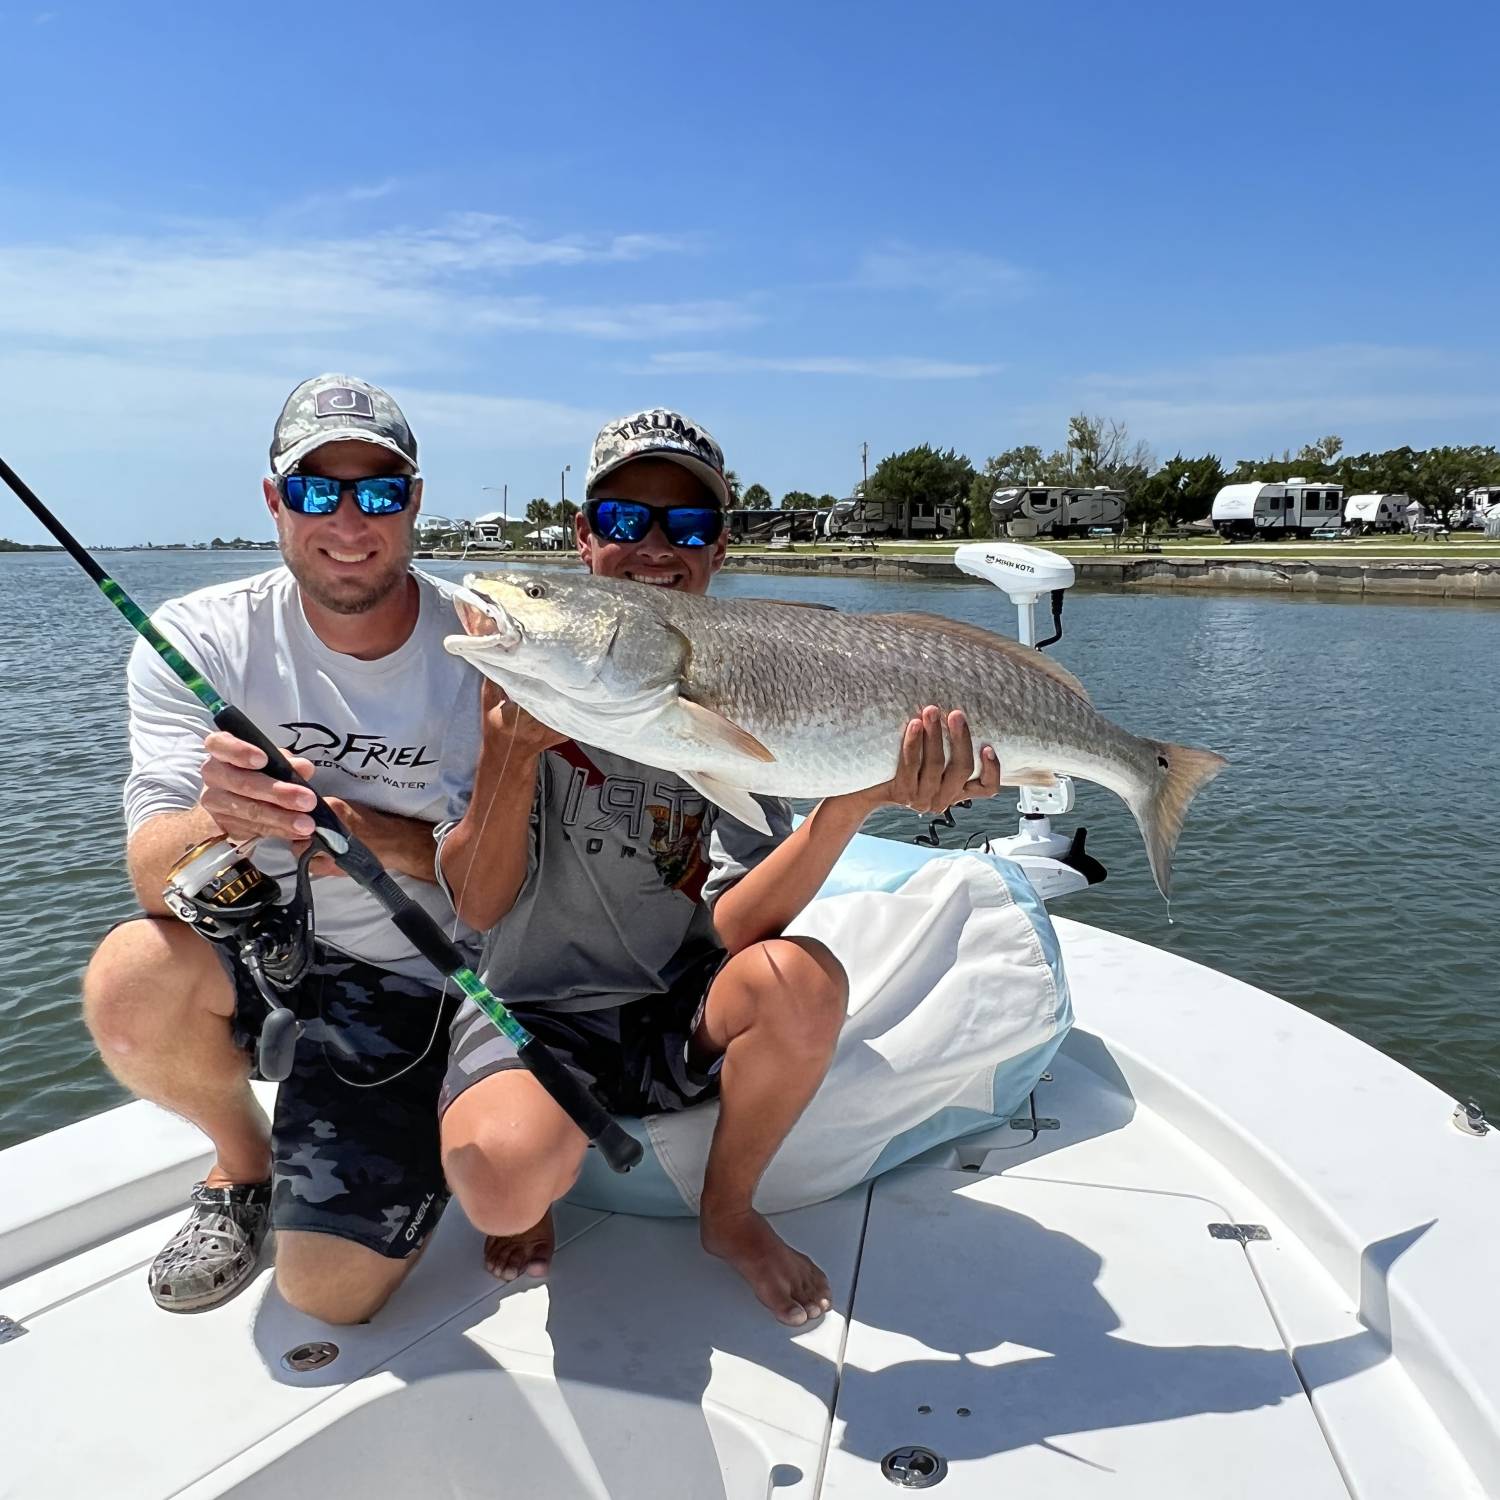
[1061, 1312]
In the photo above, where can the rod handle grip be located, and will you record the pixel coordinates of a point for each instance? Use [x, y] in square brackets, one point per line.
[619, 1148]
[232, 721]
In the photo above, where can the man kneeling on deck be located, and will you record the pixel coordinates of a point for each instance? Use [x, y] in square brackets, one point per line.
[637, 930]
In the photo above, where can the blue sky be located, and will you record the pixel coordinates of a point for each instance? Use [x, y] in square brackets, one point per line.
[1235, 228]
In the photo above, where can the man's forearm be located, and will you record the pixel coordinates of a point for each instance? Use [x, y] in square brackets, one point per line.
[484, 858]
[157, 845]
[403, 845]
[760, 905]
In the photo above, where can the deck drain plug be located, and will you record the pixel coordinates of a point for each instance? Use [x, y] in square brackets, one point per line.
[914, 1468]
[312, 1356]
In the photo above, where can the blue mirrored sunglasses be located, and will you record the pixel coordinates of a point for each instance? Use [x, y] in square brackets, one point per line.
[313, 495]
[630, 520]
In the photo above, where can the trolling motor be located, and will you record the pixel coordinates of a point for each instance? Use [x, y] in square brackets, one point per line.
[224, 897]
[1054, 864]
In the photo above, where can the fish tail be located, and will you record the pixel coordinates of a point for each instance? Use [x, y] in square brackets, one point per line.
[1180, 774]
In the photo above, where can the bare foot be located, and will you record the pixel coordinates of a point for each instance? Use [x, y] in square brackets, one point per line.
[790, 1284]
[507, 1256]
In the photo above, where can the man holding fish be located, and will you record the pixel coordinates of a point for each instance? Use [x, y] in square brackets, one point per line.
[634, 924]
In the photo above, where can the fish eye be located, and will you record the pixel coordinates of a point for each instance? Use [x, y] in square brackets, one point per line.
[535, 591]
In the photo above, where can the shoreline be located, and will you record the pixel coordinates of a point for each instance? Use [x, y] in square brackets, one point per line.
[1466, 579]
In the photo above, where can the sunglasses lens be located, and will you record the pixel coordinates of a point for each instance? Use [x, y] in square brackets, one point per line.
[692, 525]
[311, 495]
[382, 497]
[620, 520]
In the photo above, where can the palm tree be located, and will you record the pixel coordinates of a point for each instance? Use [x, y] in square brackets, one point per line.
[733, 481]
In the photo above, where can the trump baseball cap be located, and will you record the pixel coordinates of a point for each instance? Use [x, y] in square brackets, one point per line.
[658, 433]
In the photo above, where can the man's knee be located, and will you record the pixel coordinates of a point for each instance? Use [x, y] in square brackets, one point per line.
[140, 977]
[335, 1280]
[509, 1152]
[801, 989]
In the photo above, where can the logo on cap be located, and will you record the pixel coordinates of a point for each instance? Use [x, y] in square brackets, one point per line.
[343, 401]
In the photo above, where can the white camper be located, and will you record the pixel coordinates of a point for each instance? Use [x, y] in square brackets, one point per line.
[1037, 510]
[1480, 506]
[1367, 513]
[1297, 508]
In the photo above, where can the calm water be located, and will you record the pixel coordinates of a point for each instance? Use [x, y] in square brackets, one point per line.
[1349, 860]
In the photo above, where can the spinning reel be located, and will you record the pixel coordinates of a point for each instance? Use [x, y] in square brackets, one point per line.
[223, 896]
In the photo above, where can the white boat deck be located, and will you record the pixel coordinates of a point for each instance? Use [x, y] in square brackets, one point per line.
[1050, 1316]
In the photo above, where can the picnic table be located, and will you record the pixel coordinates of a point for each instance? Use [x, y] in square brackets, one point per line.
[1429, 531]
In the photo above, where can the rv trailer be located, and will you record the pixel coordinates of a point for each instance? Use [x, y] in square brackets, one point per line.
[857, 516]
[1297, 508]
[1367, 513]
[1057, 510]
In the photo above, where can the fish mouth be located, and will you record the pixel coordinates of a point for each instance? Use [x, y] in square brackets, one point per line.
[485, 619]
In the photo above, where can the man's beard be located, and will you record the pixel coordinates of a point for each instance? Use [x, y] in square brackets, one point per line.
[354, 596]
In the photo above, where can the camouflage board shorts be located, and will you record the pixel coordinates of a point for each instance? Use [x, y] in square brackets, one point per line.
[354, 1155]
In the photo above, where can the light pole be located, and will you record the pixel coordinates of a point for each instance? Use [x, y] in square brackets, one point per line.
[504, 508]
[562, 504]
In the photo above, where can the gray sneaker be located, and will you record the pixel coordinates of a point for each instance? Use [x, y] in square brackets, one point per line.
[215, 1251]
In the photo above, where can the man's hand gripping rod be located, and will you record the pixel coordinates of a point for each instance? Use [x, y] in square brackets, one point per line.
[620, 1149]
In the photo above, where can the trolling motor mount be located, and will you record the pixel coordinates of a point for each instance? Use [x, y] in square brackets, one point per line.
[1055, 864]
[223, 896]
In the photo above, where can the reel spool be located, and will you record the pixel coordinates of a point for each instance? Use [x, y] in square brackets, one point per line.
[222, 895]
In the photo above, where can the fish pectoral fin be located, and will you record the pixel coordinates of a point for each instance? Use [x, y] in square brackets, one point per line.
[737, 802]
[1027, 776]
[714, 729]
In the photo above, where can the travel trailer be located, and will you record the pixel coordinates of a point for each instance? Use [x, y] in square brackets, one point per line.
[1297, 508]
[857, 516]
[766, 525]
[1039, 510]
[1367, 513]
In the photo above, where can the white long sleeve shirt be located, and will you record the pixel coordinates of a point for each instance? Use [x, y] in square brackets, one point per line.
[389, 734]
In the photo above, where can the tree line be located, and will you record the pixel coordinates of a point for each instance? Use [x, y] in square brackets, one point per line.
[1099, 451]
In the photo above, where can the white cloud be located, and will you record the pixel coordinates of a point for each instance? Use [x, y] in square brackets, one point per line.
[890, 367]
[208, 285]
[953, 275]
[129, 449]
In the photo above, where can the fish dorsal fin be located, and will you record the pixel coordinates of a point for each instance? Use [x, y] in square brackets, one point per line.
[786, 603]
[976, 635]
[714, 729]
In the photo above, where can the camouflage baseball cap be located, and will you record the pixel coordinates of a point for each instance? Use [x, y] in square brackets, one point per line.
[333, 409]
[658, 434]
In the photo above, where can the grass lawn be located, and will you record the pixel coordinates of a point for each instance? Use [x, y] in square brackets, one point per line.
[1360, 549]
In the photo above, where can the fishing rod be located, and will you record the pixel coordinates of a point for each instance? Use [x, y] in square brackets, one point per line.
[620, 1149]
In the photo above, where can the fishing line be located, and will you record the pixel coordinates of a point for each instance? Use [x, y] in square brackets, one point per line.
[618, 1147]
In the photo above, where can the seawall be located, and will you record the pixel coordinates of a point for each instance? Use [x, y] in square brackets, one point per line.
[1440, 578]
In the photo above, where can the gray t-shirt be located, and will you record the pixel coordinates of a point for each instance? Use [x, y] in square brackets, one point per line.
[624, 865]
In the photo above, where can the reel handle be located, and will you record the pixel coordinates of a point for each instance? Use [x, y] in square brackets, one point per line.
[278, 1043]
